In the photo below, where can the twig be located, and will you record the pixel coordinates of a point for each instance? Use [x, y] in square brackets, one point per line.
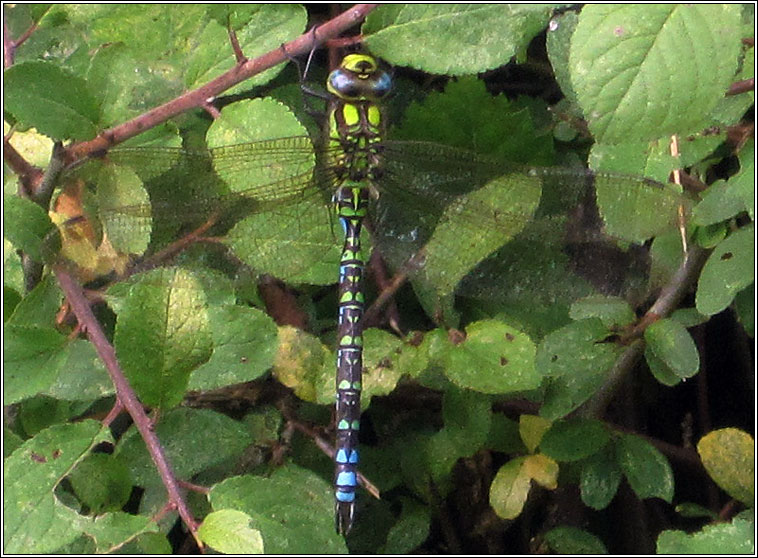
[388, 287]
[238, 54]
[10, 45]
[170, 251]
[240, 72]
[666, 302]
[743, 86]
[328, 448]
[125, 394]
[195, 487]
[29, 176]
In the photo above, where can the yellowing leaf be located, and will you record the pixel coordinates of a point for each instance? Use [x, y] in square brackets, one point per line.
[532, 428]
[729, 457]
[543, 470]
[509, 489]
[304, 364]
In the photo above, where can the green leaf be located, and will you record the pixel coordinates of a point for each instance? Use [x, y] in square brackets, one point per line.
[728, 455]
[737, 537]
[107, 73]
[440, 453]
[53, 100]
[11, 441]
[729, 269]
[159, 30]
[466, 115]
[574, 439]
[617, 51]
[467, 417]
[651, 159]
[742, 182]
[260, 241]
[101, 482]
[410, 530]
[494, 358]
[83, 376]
[234, 16]
[112, 531]
[638, 211]
[193, 439]
[666, 254]
[599, 479]
[721, 201]
[688, 317]
[32, 356]
[11, 298]
[574, 541]
[672, 344]
[647, 470]
[448, 259]
[39, 304]
[380, 372]
[244, 346]
[558, 47]
[40, 412]
[452, 39]
[147, 543]
[744, 304]
[259, 29]
[615, 312]
[231, 532]
[292, 509]
[576, 359]
[162, 334]
[117, 187]
[34, 521]
[312, 254]
[504, 435]
[28, 227]
[689, 509]
[256, 120]
[660, 370]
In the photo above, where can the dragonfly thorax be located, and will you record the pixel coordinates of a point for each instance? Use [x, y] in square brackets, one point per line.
[355, 120]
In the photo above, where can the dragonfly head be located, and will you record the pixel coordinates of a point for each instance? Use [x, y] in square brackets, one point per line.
[359, 78]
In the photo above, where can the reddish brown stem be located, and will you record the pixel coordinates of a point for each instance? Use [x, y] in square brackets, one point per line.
[197, 98]
[666, 303]
[743, 86]
[238, 54]
[125, 394]
[29, 175]
[241, 72]
[10, 45]
[328, 448]
[195, 487]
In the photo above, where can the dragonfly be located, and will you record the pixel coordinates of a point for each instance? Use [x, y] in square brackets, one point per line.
[444, 214]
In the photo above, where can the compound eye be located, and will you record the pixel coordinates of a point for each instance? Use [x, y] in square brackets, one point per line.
[382, 84]
[359, 79]
[344, 84]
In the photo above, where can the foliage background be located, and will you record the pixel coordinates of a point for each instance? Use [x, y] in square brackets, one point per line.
[465, 462]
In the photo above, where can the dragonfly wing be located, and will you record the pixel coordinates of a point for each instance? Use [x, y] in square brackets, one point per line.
[457, 219]
[154, 195]
[461, 208]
